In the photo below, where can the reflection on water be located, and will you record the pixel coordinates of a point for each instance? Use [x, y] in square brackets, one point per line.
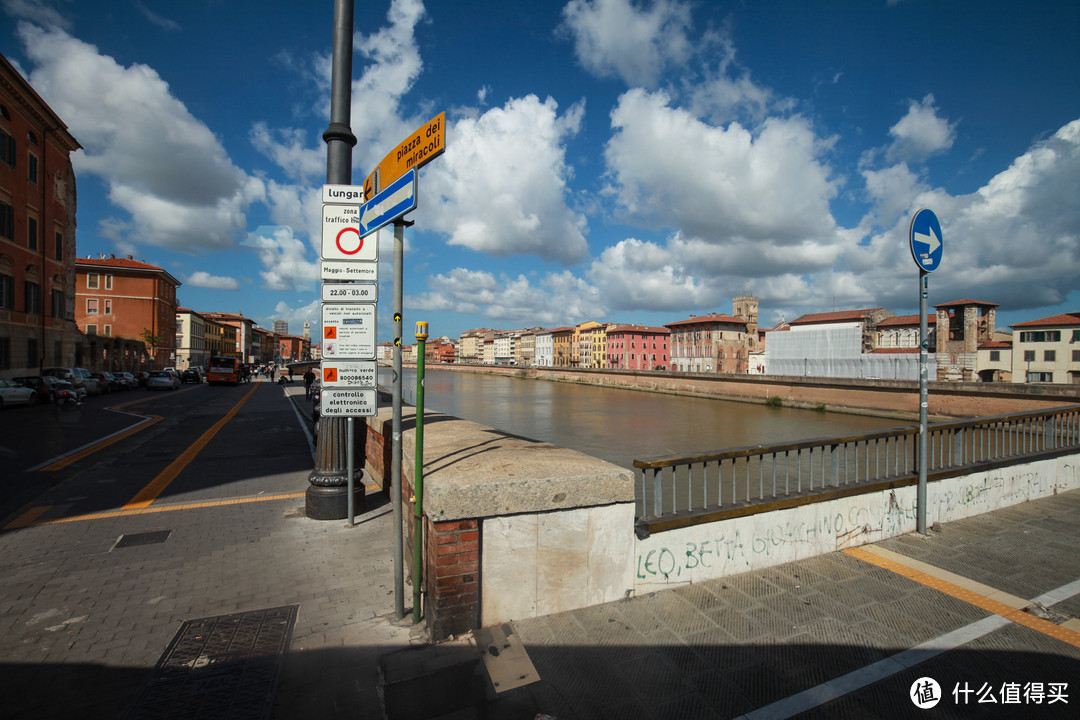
[620, 425]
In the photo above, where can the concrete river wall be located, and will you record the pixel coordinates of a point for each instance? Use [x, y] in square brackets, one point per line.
[518, 528]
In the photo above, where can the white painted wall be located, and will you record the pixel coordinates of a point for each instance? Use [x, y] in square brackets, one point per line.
[541, 563]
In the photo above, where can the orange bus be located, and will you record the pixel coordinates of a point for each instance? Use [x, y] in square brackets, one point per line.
[222, 370]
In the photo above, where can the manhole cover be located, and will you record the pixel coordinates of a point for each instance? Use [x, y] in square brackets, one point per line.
[146, 538]
[220, 667]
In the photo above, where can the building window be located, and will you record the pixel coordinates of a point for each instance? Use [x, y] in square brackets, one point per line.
[1029, 356]
[58, 353]
[59, 250]
[108, 306]
[7, 221]
[31, 352]
[7, 148]
[33, 298]
[31, 168]
[108, 282]
[7, 292]
[995, 356]
[1049, 355]
[58, 303]
[92, 281]
[1039, 377]
[91, 306]
[1076, 355]
[5, 353]
[31, 233]
[91, 329]
[107, 331]
[1040, 336]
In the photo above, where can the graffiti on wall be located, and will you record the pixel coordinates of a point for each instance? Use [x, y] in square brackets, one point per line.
[730, 546]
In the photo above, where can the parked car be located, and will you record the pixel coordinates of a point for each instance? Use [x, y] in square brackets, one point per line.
[141, 376]
[43, 385]
[76, 376]
[190, 375]
[127, 380]
[105, 382]
[162, 380]
[13, 393]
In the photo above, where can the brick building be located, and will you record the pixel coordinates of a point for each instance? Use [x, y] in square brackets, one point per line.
[37, 232]
[123, 297]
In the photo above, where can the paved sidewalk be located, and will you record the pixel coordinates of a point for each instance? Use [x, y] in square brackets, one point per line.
[83, 620]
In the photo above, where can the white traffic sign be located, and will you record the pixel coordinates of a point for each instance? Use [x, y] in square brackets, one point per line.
[350, 292]
[350, 373]
[398, 198]
[350, 270]
[345, 402]
[341, 236]
[348, 331]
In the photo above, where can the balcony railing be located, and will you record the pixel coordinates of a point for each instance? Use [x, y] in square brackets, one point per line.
[692, 487]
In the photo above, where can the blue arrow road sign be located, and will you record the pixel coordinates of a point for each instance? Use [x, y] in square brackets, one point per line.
[925, 240]
[398, 198]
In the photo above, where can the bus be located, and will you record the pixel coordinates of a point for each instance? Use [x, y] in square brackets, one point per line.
[223, 370]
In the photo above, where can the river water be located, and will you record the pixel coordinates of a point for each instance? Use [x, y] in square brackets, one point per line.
[620, 425]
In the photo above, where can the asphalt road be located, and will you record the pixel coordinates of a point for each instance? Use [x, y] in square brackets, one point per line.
[115, 444]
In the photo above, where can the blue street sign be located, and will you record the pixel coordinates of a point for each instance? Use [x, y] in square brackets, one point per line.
[925, 240]
[398, 198]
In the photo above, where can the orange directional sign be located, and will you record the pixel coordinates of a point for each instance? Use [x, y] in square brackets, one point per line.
[415, 151]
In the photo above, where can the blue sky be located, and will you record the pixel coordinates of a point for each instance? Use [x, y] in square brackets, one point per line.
[610, 160]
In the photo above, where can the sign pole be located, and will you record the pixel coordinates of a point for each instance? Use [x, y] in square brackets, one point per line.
[926, 244]
[395, 465]
[924, 345]
[327, 480]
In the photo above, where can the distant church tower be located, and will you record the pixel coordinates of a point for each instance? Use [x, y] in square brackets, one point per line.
[307, 330]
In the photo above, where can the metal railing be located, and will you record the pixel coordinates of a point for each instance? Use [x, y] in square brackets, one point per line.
[676, 486]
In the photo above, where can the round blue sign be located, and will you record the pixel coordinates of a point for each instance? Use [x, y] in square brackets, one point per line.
[925, 240]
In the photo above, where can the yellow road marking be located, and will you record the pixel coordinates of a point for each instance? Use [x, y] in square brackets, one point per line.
[29, 518]
[156, 486]
[64, 462]
[980, 600]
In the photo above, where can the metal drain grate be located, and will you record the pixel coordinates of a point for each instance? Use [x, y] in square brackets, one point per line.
[220, 667]
[146, 538]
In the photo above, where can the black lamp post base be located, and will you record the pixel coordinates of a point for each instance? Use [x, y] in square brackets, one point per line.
[332, 502]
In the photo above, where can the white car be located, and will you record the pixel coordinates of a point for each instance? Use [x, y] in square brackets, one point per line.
[162, 380]
[12, 393]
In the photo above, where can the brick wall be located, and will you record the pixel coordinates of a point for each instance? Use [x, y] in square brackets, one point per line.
[452, 577]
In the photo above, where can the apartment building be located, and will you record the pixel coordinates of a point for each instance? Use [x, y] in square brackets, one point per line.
[1047, 350]
[248, 348]
[127, 298]
[638, 347]
[962, 326]
[191, 341]
[471, 345]
[544, 349]
[37, 233]
[562, 343]
[711, 343]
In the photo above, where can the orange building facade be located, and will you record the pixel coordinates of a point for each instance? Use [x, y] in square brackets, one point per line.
[122, 297]
[37, 232]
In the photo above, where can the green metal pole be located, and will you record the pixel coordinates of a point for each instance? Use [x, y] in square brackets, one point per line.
[418, 473]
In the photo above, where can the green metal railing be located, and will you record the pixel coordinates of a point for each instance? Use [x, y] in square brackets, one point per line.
[677, 486]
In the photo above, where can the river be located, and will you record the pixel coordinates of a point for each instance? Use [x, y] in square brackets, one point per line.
[620, 425]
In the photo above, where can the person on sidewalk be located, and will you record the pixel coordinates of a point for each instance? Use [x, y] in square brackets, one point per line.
[309, 378]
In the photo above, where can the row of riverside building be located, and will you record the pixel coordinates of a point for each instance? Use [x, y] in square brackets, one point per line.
[104, 313]
[873, 343]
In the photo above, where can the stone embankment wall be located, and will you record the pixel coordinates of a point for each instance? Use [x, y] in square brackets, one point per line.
[891, 398]
[517, 528]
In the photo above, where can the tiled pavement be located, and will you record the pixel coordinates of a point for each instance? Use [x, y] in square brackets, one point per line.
[82, 623]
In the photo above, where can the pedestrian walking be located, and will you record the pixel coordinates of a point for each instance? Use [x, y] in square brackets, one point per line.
[309, 378]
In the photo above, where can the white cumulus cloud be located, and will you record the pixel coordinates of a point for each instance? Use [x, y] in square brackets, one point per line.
[920, 133]
[204, 279]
